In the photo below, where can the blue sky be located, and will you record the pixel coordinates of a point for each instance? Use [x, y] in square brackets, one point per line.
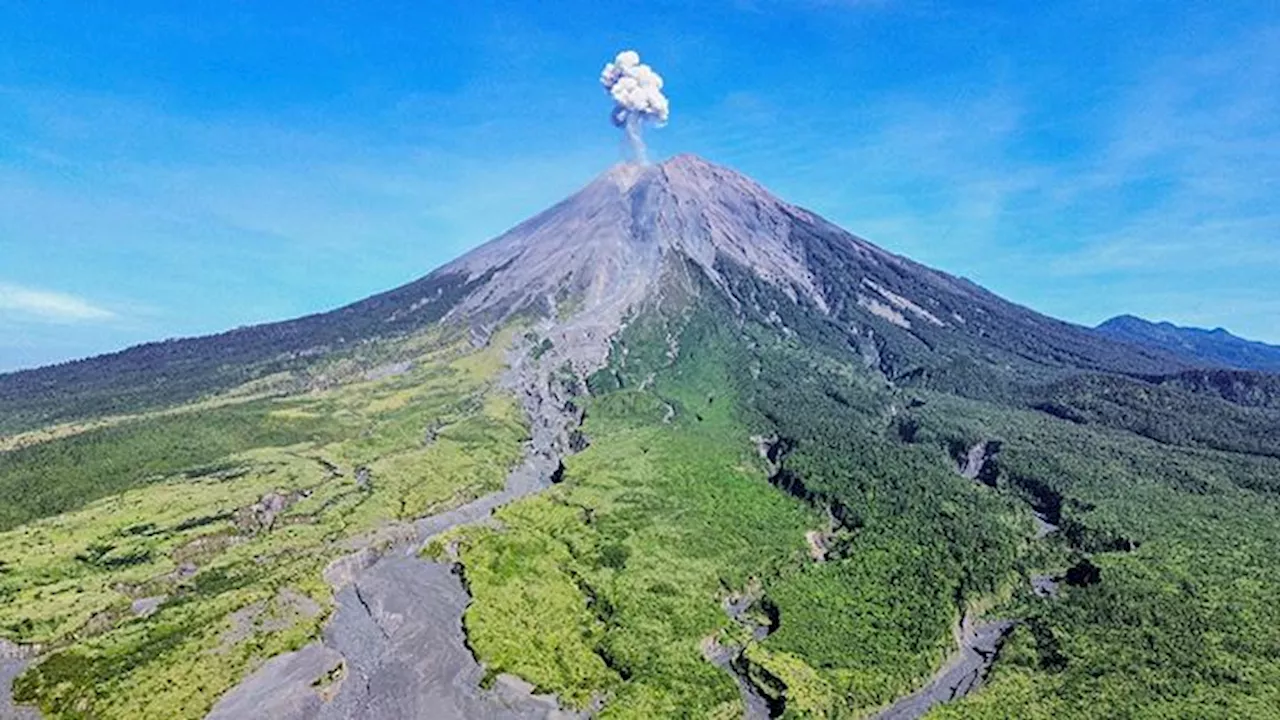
[170, 169]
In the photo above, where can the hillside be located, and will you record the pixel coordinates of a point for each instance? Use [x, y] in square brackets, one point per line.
[1207, 348]
[673, 448]
[610, 241]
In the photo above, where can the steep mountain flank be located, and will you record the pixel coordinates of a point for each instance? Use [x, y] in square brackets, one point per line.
[623, 238]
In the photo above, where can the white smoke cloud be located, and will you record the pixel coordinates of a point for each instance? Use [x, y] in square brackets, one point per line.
[637, 95]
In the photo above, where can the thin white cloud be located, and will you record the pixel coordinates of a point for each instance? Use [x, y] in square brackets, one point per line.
[1157, 199]
[204, 208]
[1199, 135]
[30, 303]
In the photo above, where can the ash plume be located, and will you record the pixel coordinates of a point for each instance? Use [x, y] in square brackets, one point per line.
[638, 100]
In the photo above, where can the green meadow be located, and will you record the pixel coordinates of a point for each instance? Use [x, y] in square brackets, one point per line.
[159, 509]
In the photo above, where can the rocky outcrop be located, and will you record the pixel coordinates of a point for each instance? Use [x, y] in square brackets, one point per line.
[261, 516]
[146, 607]
[729, 657]
[1044, 585]
[979, 463]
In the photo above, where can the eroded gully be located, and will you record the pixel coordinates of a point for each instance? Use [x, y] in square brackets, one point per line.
[978, 642]
[396, 633]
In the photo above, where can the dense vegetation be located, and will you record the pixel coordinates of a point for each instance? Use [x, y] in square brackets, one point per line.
[657, 522]
[1250, 389]
[1163, 412]
[180, 526]
[1185, 618]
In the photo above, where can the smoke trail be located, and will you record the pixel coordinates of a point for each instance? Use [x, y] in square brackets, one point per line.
[638, 100]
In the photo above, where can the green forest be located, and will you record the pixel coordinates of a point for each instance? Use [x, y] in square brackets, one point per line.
[1166, 555]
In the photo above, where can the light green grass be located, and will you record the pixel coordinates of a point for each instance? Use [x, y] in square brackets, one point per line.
[67, 580]
[607, 584]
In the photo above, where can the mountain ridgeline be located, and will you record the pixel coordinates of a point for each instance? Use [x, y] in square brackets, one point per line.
[1209, 348]
[609, 247]
[739, 462]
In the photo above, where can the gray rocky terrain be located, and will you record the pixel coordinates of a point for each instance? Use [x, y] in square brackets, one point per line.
[962, 674]
[729, 657]
[13, 660]
[609, 242]
[395, 645]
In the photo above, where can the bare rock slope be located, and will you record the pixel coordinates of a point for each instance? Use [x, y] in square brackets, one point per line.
[604, 250]
[630, 233]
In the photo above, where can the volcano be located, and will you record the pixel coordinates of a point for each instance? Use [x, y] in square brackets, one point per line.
[674, 447]
[624, 240]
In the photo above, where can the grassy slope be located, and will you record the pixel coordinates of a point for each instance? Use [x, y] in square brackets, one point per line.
[169, 490]
[55, 477]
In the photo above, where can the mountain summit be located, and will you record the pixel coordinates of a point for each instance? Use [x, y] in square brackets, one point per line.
[611, 240]
[621, 240]
[634, 230]
[696, 451]
[1215, 347]
[630, 236]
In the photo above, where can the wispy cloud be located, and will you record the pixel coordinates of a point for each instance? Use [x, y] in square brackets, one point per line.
[1194, 152]
[1154, 196]
[24, 303]
[191, 225]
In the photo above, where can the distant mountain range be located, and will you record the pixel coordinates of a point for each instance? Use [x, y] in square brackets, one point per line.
[1208, 347]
